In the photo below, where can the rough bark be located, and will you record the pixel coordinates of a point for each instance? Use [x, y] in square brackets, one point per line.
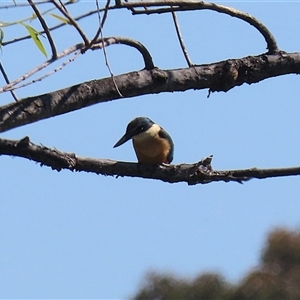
[220, 76]
[200, 172]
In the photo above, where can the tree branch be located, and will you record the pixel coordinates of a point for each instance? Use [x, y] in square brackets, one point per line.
[221, 76]
[55, 70]
[7, 81]
[183, 48]
[45, 27]
[72, 21]
[101, 23]
[100, 32]
[178, 5]
[8, 6]
[102, 42]
[9, 42]
[200, 172]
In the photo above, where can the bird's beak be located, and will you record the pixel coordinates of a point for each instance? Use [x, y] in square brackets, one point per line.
[122, 140]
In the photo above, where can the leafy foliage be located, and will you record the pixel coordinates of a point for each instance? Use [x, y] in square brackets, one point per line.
[276, 278]
[35, 37]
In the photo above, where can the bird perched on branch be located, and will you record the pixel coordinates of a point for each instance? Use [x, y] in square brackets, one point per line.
[152, 144]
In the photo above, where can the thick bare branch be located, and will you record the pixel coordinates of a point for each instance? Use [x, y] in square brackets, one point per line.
[200, 172]
[221, 76]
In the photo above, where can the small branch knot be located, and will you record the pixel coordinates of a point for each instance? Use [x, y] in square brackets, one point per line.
[159, 76]
[24, 142]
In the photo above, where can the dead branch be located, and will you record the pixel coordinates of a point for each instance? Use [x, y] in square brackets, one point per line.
[200, 172]
[221, 76]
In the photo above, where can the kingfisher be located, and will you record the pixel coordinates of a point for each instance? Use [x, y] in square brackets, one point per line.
[152, 144]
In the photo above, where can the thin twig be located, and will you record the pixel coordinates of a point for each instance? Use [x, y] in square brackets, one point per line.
[101, 22]
[110, 72]
[183, 48]
[72, 21]
[107, 42]
[9, 42]
[45, 27]
[51, 72]
[178, 5]
[63, 6]
[45, 64]
[22, 4]
[100, 32]
[6, 24]
[7, 81]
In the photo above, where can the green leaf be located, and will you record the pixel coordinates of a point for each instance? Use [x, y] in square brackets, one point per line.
[62, 19]
[35, 36]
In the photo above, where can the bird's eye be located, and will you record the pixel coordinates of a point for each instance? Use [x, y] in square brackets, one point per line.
[140, 128]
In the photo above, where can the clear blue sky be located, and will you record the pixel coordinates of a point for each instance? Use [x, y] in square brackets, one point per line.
[79, 235]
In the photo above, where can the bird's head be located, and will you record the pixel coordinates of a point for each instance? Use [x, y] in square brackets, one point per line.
[135, 127]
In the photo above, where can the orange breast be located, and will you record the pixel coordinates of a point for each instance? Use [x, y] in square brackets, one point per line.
[152, 151]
